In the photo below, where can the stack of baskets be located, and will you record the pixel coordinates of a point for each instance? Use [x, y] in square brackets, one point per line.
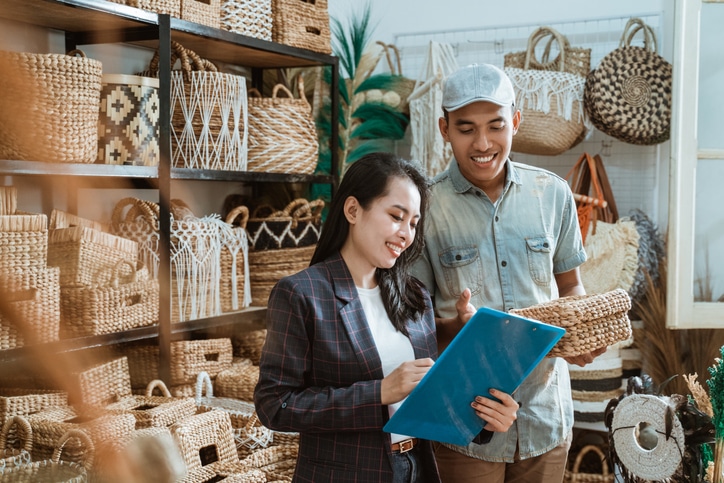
[103, 287]
[29, 288]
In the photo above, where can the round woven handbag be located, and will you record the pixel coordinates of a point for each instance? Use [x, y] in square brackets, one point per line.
[628, 96]
[591, 321]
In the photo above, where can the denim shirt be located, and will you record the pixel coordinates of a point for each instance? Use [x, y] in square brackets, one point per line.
[507, 253]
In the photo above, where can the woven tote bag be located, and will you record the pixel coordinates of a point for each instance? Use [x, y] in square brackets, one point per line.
[282, 133]
[550, 100]
[628, 96]
[576, 60]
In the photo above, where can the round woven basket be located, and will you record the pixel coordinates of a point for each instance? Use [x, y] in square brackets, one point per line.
[591, 321]
[59, 98]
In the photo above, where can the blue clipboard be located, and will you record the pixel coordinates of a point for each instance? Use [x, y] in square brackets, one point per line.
[493, 350]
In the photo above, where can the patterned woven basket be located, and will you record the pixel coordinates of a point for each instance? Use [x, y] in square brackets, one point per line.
[302, 24]
[577, 474]
[297, 225]
[282, 133]
[21, 402]
[234, 285]
[23, 241]
[87, 257]
[208, 114]
[238, 381]
[34, 296]
[628, 96]
[59, 96]
[129, 300]
[252, 18]
[54, 469]
[267, 267]
[591, 321]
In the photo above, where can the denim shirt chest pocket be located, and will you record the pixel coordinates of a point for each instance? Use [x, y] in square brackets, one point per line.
[462, 268]
[540, 260]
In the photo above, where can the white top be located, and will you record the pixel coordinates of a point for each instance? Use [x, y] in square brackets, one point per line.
[393, 347]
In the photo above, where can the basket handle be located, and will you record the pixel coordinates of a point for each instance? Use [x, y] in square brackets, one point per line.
[633, 26]
[84, 439]
[395, 65]
[241, 212]
[254, 92]
[157, 384]
[136, 205]
[24, 426]
[281, 87]
[203, 380]
[585, 450]
[263, 211]
[116, 273]
[536, 37]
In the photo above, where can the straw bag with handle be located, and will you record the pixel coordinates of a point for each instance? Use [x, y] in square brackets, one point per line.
[576, 475]
[628, 96]
[551, 101]
[392, 89]
[576, 60]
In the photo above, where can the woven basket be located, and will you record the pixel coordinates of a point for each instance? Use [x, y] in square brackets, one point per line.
[10, 456]
[226, 473]
[282, 133]
[252, 18]
[21, 402]
[23, 241]
[238, 381]
[128, 126]
[628, 96]
[53, 469]
[248, 344]
[591, 321]
[205, 438]
[154, 411]
[298, 225]
[8, 200]
[575, 475]
[170, 7]
[234, 284]
[191, 357]
[34, 296]
[302, 24]
[208, 114]
[104, 383]
[205, 12]
[63, 219]
[576, 60]
[59, 97]
[277, 462]
[86, 256]
[128, 301]
[267, 267]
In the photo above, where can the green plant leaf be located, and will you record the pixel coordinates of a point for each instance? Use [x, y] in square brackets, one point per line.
[388, 82]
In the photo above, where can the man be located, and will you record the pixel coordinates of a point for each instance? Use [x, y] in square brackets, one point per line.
[502, 235]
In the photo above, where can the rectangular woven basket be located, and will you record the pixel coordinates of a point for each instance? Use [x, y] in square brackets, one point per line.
[267, 267]
[205, 12]
[21, 402]
[171, 7]
[63, 219]
[302, 24]
[23, 241]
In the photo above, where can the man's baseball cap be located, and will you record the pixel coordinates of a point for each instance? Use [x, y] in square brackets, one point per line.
[477, 82]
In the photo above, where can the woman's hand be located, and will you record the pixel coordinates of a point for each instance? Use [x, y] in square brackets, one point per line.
[398, 384]
[499, 416]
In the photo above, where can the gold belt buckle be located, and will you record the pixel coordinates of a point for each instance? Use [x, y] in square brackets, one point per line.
[406, 445]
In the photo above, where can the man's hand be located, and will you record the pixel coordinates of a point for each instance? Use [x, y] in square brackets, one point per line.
[583, 359]
[465, 309]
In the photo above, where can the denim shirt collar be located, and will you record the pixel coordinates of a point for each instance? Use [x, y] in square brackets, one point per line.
[461, 184]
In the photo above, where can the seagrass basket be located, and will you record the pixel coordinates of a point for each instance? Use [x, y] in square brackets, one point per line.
[170, 7]
[581, 472]
[282, 133]
[267, 267]
[248, 344]
[59, 97]
[205, 12]
[576, 60]
[302, 24]
[21, 402]
[34, 298]
[277, 462]
[234, 285]
[238, 381]
[63, 219]
[591, 321]
[252, 18]
[205, 438]
[23, 241]
[88, 257]
[299, 224]
[18, 454]
[130, 299]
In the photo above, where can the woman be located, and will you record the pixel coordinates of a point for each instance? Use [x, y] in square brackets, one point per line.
[349, 337]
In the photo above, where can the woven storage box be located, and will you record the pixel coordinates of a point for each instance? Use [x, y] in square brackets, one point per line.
[58, 95]
[591, 321]
[238, 381]
[248, 344]
[23, 241]
[34, 296]
[205, 12]
[267, 267]
[51, 424]
[302, 24]
[53, 469]
[580, 474]
[299, 224]
[205, 438]
[128, 125]
[8, 200]
[171, 7]
[129, 300]
[252, 18]
[225, 473]
[63, 219]
[282, 133]
[154, 411]
[208, 114]
[21, 402]
[277, 462]
[87, 257]
[234, 285]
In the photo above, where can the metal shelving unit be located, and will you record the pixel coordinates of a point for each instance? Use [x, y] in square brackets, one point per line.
[87, 22]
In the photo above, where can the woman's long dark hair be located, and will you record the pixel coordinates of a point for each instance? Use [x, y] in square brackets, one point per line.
[368, 179]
